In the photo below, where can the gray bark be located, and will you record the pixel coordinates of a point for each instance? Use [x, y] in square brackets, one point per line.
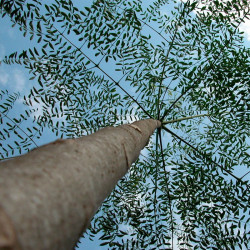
[48, 196]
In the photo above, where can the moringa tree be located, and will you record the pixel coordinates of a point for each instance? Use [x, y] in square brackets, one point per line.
[183, 63]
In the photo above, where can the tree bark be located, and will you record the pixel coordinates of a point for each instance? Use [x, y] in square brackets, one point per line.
[48, 196]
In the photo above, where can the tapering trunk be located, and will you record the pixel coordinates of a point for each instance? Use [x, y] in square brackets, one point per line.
[48, 196]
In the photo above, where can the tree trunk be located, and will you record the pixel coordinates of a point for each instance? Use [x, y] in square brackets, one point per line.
[48, 196]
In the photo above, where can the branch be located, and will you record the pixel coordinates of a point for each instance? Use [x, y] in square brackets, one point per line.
[19, 128]
[97, 66]
[184, 118]
[245, 175]
[168, 193]
[158, 33]
[206, 70]
[166, 57]
[156, 177]
[201, 153]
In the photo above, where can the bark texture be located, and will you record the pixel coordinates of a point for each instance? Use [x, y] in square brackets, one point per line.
[48, 196]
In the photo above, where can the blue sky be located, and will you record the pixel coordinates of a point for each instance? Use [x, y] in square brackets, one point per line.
[16, 79]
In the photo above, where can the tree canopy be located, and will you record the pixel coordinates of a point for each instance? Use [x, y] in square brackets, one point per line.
[183, 63]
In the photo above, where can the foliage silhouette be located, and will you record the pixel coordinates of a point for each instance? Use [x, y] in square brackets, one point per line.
[117, 61]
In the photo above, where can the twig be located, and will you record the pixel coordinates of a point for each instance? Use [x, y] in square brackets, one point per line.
[201, 153]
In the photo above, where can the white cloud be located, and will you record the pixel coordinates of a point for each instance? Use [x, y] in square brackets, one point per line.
[4, 77]
[14, 80]
[11, 33]
[38, 107]
[2, 51]
[130, 230]
[246, 28]
[19, 80]
[39, 111]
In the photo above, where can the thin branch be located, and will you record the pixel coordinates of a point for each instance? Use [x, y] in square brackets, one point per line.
[245, 175]
[113, 43]
[206, 70]
[184, 118]
[156, 177]
[166, 57]
[168, 193]
[163, 70]
[180, 96]
[157, 32]
[201, 153]
[97, 66]
[19, 128]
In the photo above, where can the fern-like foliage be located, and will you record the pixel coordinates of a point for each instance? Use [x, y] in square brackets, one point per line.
[117, 61]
